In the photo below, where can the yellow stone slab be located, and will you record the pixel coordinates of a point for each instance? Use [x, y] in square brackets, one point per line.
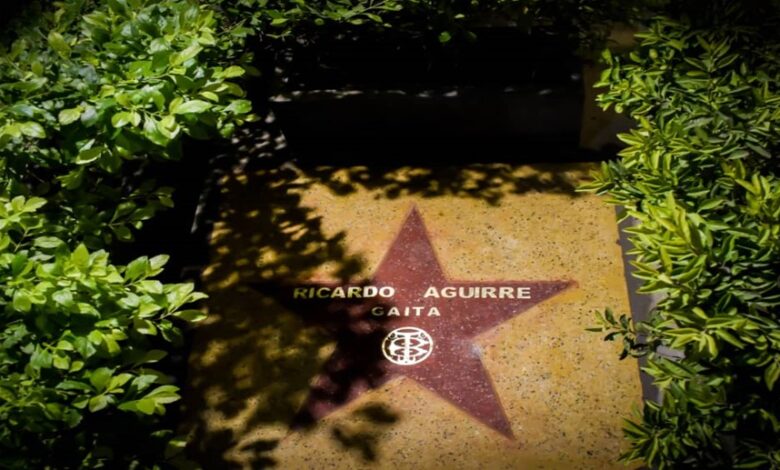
[562, 388]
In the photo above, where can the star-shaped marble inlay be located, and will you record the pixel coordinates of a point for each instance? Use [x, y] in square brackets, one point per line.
[451, 312]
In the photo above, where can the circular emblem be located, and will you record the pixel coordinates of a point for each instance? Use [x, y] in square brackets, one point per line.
[407, 346]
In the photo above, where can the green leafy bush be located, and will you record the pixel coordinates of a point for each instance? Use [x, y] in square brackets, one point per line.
[90, 90]
[699, 175]
[586, 20]
[91, 93]
[78, 334]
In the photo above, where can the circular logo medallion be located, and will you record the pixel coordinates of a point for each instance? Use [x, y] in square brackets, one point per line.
[407, 346]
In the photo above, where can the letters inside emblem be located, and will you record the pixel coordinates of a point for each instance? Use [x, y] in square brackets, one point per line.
[407, 346]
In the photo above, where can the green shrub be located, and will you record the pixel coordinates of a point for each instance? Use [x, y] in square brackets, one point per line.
[78, 335]
[90, 93]
[87, 91]
[587, 21]
[699, 175]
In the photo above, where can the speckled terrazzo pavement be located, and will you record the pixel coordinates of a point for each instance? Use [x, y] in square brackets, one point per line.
[256, 360]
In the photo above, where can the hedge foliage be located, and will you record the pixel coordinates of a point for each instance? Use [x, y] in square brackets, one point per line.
[91, 92]
[699, 175]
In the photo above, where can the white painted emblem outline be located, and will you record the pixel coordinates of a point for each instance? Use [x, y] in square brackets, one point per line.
[406, 353]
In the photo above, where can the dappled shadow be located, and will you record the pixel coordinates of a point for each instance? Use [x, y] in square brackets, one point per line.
[364, 431]
[253, 359]
[355, 364]
[490, 182]
[261, 365]
[252, 370]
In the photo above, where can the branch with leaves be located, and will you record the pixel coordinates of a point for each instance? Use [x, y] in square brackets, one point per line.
[699, 175]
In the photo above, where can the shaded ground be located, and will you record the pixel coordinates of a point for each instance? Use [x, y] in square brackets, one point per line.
[271, 239]
[252, 362]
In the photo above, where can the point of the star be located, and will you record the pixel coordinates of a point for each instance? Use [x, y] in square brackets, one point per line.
[414, 215]
[505, 429]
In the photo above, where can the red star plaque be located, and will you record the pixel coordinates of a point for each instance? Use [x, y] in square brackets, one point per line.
[411, 320]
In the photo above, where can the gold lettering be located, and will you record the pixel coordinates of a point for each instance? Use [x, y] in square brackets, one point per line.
[338, 293]
[299, 293]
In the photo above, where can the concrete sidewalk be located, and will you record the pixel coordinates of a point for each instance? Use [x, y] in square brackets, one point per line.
[528, 389]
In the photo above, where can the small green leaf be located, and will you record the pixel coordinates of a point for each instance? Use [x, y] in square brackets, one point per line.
[231, 72]
[48, 242]
[80, 257]
[89, 155]
[72, 179]
[148, 309]
[153, 355]
[22, 301]
[771, 373]
[58, 43]
[137, 268]
[63, 297]
[145, 406]
[239, 106]
[124, 118]
[157, 262]
[190, 315]
[37, 68]
[192, 107]
[41, 359]
[99, 378]
[32, 129]
[118, 381]
[186, 54]
[74, 385]
[97, 403]
[89, 116]
[144, 327]
[151, 287]
[70, 115]
[175, 447]
[122, 232]
[33, 204]
[153, 133]
[62, 362]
